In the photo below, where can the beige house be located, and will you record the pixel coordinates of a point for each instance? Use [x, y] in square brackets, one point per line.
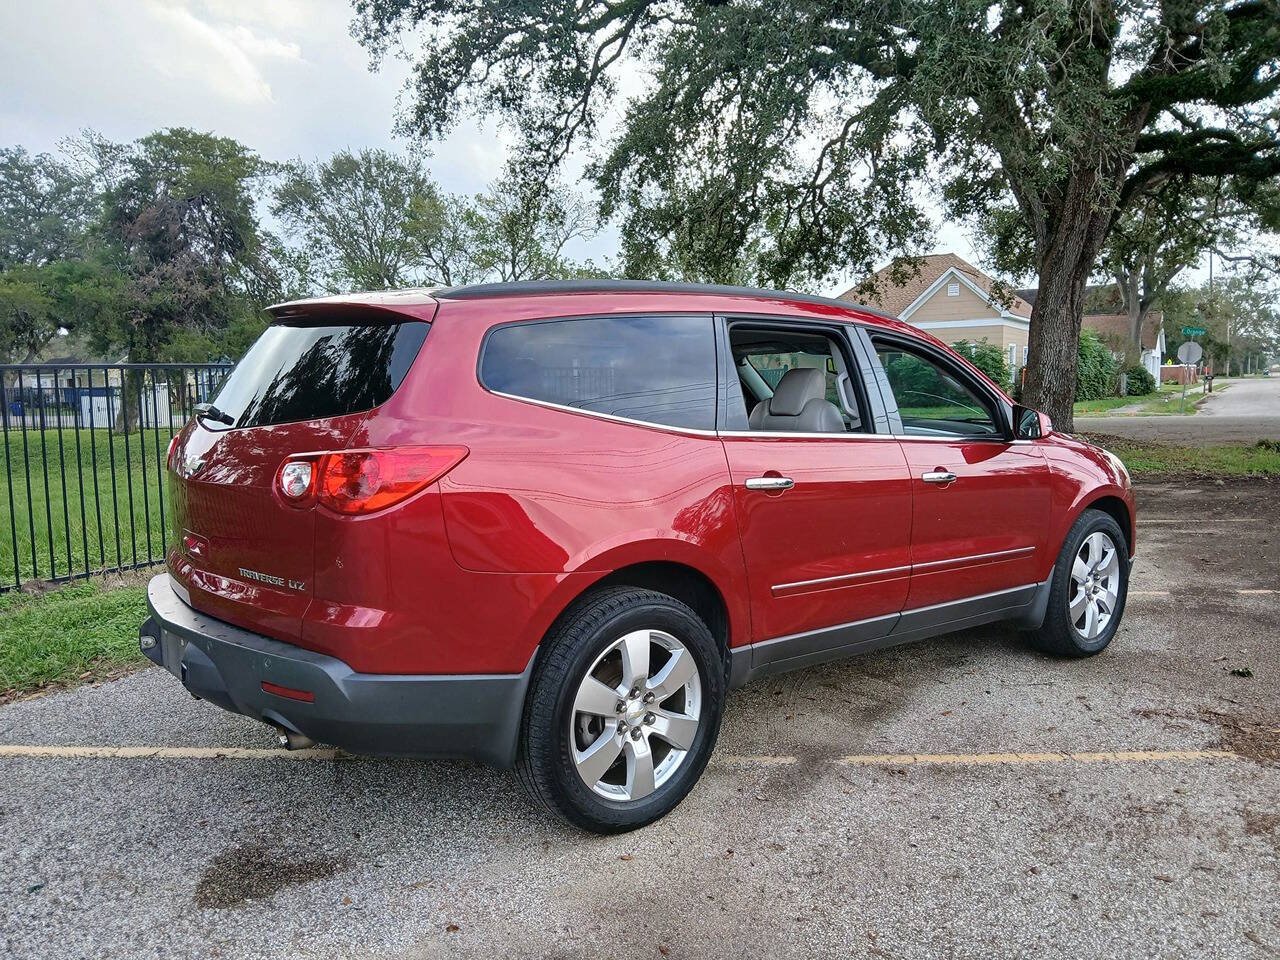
[953, 300]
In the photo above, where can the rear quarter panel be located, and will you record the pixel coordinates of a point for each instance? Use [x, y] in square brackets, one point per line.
[468, 576]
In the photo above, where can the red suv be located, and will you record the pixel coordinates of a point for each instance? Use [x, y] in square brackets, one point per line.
[549, 525]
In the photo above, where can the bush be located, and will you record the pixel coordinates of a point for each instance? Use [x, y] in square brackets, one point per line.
[1139, 382]
[987, 357]
[1096, 375]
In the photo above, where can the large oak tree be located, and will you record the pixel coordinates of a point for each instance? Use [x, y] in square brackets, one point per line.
[797, 134]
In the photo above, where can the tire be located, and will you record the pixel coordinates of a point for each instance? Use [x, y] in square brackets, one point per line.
[602, 639]
[1070, 634]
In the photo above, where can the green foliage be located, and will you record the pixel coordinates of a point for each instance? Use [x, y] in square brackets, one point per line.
[795, 150]
[373, 220]
[153, 249]
[55, 638]
[987, 357]
[45, 208]
[1096, 371]
[182, 231]
[522, 224]
[1241, 306]
[359, 217]
[1139, 382]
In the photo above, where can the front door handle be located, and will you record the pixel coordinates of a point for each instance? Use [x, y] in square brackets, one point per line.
[938, 476]
[770, 483]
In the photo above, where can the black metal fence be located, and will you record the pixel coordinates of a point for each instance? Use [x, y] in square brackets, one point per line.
[84, 464]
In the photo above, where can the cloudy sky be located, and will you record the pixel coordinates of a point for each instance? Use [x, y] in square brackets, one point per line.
[282, 76]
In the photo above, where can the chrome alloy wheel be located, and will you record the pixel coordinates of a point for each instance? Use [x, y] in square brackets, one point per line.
[635, 715]
[1095, 585]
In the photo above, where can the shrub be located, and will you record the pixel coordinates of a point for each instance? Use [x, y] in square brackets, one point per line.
[1096, 375]
[987, 357]
[1139, 382]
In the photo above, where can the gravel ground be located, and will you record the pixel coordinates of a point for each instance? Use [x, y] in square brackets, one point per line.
[782, 850]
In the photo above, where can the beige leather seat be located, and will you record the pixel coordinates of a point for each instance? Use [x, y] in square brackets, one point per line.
[798, 405]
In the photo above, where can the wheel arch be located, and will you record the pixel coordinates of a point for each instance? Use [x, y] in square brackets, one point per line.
[690, 585]
[1115, 507]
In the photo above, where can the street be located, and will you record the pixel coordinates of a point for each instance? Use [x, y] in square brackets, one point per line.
[1246, 412]
[961, 797]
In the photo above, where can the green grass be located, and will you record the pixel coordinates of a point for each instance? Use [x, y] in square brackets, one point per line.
[57, 637]
[1150, 461]
[1167, 400]
[1097, 408]
[54, 537]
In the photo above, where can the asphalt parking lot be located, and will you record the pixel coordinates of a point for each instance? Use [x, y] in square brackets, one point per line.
[963, 797]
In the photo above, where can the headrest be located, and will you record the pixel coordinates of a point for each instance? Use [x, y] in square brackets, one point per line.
[796, 388]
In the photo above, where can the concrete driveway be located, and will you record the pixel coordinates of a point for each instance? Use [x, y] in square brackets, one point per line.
[1246, 412]
[963, 797]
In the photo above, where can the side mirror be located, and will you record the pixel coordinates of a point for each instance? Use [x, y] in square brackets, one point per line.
[1026, 423]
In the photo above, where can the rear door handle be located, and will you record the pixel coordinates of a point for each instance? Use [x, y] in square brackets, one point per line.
[770, 483]
[938, 476]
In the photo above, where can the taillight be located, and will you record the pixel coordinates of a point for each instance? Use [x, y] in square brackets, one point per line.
[355, 482]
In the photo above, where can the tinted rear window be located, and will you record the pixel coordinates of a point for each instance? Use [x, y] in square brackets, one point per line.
[655, 369]
[299, 372]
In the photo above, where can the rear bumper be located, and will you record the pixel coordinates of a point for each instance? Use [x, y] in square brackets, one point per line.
[471, 716]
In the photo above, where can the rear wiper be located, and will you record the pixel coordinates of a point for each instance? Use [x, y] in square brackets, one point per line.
[207, 411]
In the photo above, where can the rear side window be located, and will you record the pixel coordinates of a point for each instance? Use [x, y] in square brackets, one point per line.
[656, 369]
[307, 372]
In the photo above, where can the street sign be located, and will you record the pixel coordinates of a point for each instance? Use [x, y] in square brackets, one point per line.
[1193, 331]
[1190, 352]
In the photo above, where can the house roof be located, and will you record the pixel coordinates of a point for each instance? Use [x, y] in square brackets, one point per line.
[881, 289]
[1113, 328]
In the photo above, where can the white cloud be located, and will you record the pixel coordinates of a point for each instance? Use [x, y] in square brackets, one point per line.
[223, 56]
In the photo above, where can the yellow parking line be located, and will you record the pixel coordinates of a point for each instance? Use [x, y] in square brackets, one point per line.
[1256, 591]
[1148, 593]
[1029, 759]
[167, 753]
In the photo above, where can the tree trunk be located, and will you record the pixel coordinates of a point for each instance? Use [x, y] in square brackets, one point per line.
[1133, 350]
[1132, 295]
[128, 411]
[1053, 341]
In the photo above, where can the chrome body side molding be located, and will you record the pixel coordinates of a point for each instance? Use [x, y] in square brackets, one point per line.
[1024, 605]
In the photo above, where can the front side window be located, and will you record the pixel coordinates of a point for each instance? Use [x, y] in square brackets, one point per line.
[794, 380]
[932, 401]
[655, 369]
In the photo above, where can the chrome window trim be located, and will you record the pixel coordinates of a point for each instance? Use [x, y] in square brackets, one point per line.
[664, 427]
[757, 434]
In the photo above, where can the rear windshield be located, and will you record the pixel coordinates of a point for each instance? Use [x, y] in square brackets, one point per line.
[297, 371]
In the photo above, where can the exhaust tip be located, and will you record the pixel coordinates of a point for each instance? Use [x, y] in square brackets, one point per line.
[294, 741]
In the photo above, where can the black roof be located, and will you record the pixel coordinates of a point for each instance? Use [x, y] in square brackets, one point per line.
[477, 291]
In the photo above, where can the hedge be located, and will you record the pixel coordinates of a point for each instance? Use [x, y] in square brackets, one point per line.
[1096, 375]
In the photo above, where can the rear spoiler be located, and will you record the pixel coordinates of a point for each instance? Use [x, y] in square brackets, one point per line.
[392, 306]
